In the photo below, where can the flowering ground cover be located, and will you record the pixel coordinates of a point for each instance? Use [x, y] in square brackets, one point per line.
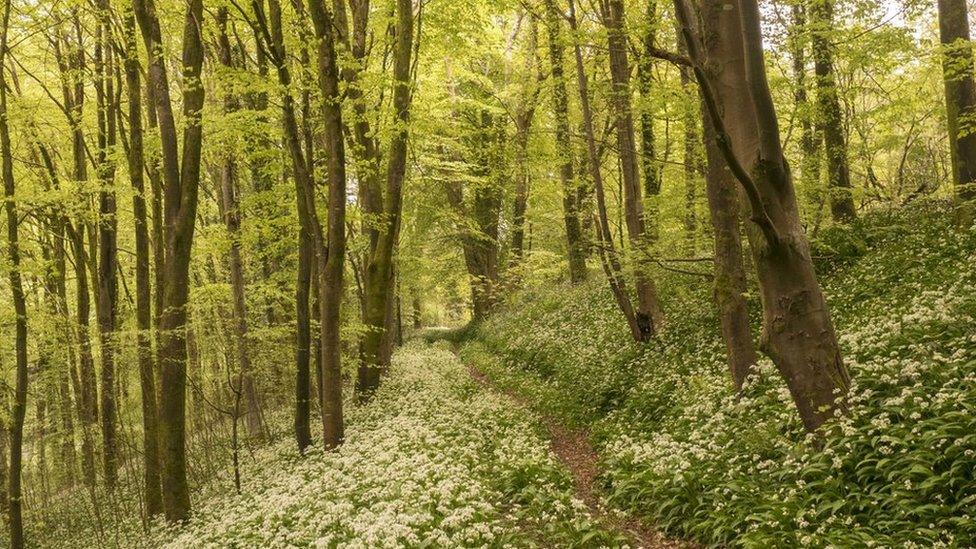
[679, 447]
[435, 460]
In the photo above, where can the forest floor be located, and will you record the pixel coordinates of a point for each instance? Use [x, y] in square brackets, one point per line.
[436, 459]
[571, 446]
[677, 445]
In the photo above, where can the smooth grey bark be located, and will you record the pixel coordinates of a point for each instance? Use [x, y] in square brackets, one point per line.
[798, 333]
[960, 99]
[575, 245]
[649, 314]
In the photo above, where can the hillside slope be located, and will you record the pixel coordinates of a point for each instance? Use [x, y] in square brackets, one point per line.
[680, 448]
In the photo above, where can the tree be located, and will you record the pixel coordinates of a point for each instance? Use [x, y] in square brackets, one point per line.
[960, 99]
[798, 333]
[378, 281]
[181, 180]
[107, 296]
[331, 256]
[609, 257]
[524, 117]
[13, 489]
[829, 113]
[269, 32]
[230, 210]
[649, 314]
[574, 233]
[725, 213]
[152, 488]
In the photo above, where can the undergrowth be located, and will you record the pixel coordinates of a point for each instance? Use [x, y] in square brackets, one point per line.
[680, 448]
[435, 460]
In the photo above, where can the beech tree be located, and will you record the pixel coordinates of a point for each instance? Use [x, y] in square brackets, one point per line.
[649, 314]
[960, 98]
[574, 231]
[13, 493]
[829, 112]
[798, 333]
[181, 181]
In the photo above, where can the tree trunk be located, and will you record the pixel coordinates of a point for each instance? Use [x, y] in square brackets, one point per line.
[960, 99]
[809, 142]
[181, 178]
[107, 241]
[649, 164]
[330, 259]
[524, 117]
[306, 236]
[479, 244]
[152, 490]
[649, 314]
[829, 113]
[230, 211]
[797, 331]
[730, 278]
[608, 253]
[576, 247]
[88, 397]
[379, 268]
[15, 504]
[692, 159]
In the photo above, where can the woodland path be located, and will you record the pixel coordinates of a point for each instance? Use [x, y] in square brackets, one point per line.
[573, 449]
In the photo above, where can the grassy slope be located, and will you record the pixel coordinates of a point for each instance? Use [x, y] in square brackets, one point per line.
[678, 447]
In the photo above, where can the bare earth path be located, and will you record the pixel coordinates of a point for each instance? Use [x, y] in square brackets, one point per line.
[573, 449]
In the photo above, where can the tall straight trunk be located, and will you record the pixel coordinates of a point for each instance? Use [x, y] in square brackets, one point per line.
[107, 241]
[809, 143]
[608, 253]
[829, 114]
[54, 252]
[522, 179]
[152, 489]
[576, 247]
[306, 236]
[60, 311]
[181, 179]
[71, 64]
[13, 492]
[692, 159]
[798, 333]
[649, 314]
[88, 396]
[729, 289]
[55, 292]
[524, 117]
[649, 164]
[379, 267]
[230, 211]
[332, 252]
[960, 99]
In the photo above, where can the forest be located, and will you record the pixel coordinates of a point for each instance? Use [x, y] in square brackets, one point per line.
[487, 273]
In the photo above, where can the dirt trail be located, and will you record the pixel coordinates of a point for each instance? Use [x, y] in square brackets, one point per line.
[573, 449]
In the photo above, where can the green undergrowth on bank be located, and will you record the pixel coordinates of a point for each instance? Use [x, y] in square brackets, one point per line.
[679, 447]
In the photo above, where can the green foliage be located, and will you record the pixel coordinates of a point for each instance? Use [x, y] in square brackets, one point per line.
[680, 447]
